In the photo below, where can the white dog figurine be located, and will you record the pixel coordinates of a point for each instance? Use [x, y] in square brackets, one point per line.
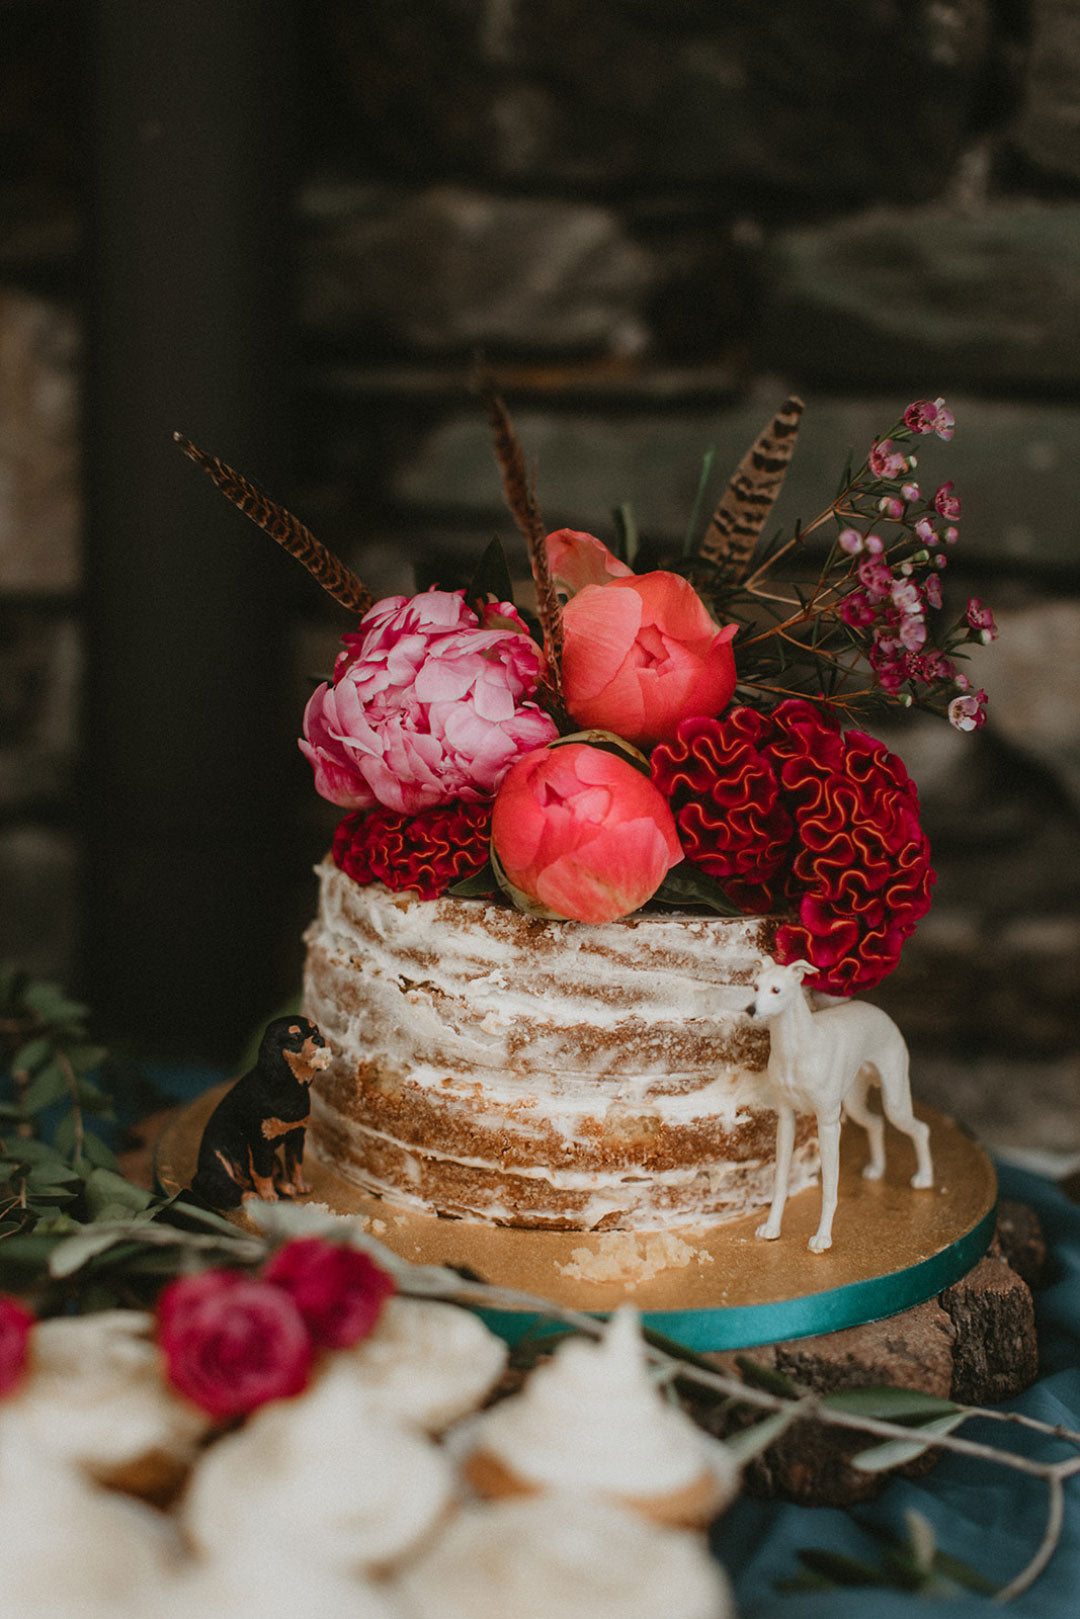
[823, 1063]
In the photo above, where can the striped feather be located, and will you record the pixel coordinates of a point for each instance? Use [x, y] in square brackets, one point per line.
[292, 535]
[748, 499]
[521, 499]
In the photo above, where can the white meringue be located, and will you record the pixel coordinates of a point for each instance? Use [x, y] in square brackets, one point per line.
[95, 1396]
[564, 1556]
[69, 1548]
[325, 1478]
[427, 1363]
[270, 1583]
[591, 1418]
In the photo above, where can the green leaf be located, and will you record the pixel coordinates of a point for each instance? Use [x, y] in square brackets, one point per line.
[767, 1378]
[626, 531]
[84, 1058]
[749, 1442]
[31, 1055]
[491, 576]
[890, 1404]
[95, 1154]
[93, 1099]
[480, 884]
[687, 884]
[110, 1197]
[689, 538]
[51, 1172]
[46, 1089]
[51, 1004]
[897, 1452]
[840, 1568]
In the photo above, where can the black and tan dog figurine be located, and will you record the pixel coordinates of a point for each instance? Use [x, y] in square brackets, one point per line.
[268, 1108]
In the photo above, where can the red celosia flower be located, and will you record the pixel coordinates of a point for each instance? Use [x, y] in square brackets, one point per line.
[426, 852]
[15, 1324]
[853, 866]
[726, 802]
[231, 1343]
[339, 1291]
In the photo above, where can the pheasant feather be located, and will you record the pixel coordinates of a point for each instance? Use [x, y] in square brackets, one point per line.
[521, 499]
[748, 499]
[290, 533]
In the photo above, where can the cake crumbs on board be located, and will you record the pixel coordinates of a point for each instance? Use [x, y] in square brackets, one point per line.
[631, 1257]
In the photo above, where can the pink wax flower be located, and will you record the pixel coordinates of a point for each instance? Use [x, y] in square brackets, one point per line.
[642, 653]
[582, 833]
[968, 713]
[577, 559]
[889, 506]
[924, 528]
[930, 416]
[876, 578]
[339, 1291]
[850, 541]
[884, 461]
[16, 1323]
[856, 610]
[427, 704]
[981, 619]
[231, 1344]
[948, 505]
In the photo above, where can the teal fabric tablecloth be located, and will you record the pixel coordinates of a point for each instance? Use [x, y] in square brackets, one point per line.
[992, 1519]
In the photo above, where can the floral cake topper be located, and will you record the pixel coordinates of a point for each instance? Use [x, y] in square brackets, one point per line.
[687, 735]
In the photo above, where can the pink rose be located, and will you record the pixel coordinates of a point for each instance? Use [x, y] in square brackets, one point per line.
[577, 559]
[15, 1325]
[339, 1291]
[231, 1343]
[426, 705]
[582, 833]
[642, 653]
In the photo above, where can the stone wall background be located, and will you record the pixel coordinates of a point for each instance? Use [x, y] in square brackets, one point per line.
[654, 226]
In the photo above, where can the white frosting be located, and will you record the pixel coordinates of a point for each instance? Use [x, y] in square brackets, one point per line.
[425, 1363]
[592, 1418]
[564, 1556]
[608, 1056]
[326, 1479]
[95, 1395]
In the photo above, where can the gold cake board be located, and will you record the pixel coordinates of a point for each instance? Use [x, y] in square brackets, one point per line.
[710, 1287]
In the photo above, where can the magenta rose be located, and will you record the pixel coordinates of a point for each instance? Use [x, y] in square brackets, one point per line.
[339, 1291]
[15, 1326]
[427, 704]
[640, 654]
[231, 1343]
[581, 833]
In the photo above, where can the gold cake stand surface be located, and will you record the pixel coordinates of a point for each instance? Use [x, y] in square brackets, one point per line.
[711, 1287]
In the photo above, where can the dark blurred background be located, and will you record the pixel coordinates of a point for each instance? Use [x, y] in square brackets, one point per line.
[284, 228]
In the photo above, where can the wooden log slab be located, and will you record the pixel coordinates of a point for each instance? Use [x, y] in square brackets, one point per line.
[975, 1343]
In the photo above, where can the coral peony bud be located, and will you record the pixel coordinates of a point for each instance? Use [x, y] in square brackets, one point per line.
[576, 559]
[641, 654]
[582, 833]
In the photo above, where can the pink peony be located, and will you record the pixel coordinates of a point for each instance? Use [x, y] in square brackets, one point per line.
[577, 559]
[427, 705]
[339, 1291]
[640, 654]
[15, 1324]
[582, 833]
[230, 1344]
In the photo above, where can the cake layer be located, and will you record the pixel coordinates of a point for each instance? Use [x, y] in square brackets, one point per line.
[492, 1066]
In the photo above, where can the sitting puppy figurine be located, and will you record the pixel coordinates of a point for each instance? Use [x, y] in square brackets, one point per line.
[268, 1107]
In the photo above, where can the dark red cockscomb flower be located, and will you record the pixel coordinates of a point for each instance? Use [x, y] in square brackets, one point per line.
[427, 852]
[831, 819]
[231, 1343]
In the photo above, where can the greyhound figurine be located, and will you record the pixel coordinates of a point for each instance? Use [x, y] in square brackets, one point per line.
[823, 1063]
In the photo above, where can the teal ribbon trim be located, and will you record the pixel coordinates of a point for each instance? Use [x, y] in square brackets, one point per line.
[745, 1325]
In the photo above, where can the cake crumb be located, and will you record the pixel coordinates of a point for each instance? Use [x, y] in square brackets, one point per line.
[630, 1258]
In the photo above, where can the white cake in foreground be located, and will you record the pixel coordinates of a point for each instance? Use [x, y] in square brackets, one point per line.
[544, 1074]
